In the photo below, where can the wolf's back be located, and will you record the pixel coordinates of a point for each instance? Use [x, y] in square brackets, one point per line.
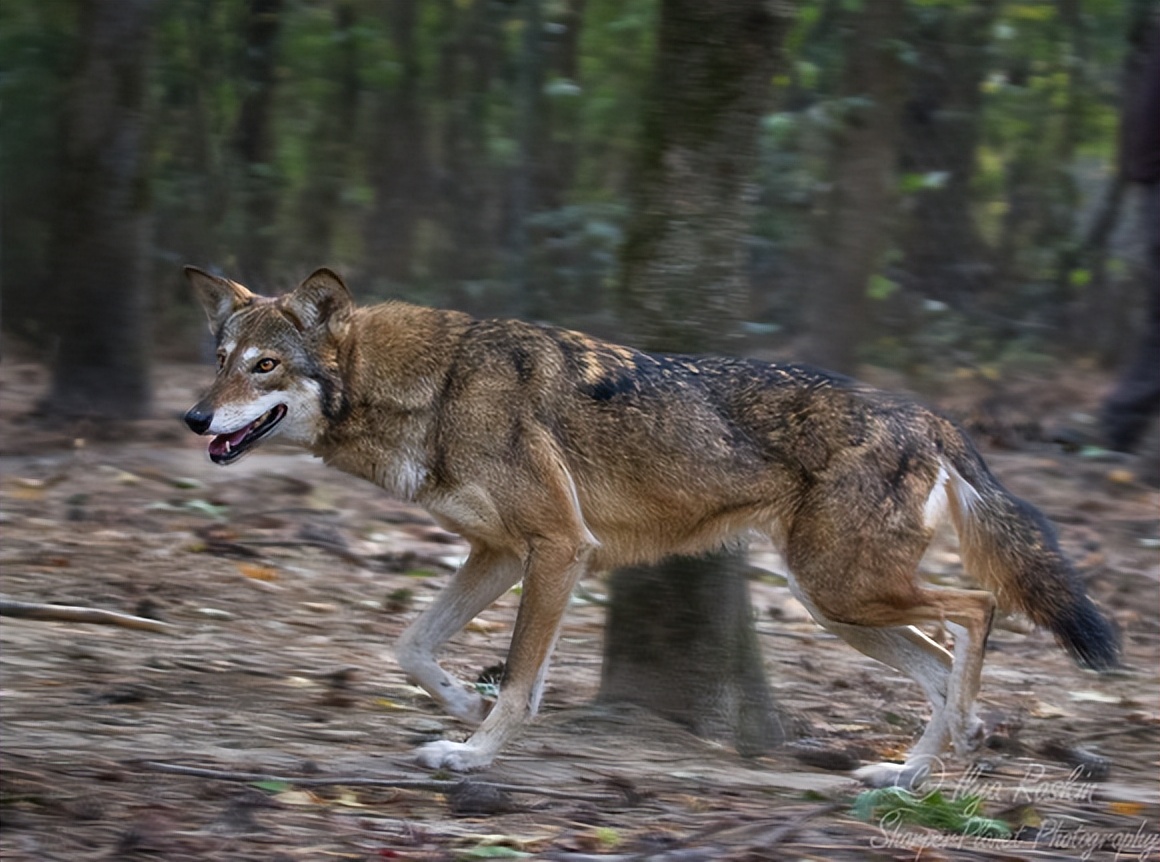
[1009, 546]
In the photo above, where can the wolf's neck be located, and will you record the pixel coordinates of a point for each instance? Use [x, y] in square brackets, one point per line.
[393, 370]
[399, 355]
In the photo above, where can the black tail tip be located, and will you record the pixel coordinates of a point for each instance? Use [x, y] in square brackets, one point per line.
[1089, 637]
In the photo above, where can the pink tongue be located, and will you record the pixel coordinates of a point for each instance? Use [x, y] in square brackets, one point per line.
[217, 446]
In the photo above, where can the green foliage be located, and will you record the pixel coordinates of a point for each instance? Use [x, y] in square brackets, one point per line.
[273, 787]
[893, 806]
[881, 287]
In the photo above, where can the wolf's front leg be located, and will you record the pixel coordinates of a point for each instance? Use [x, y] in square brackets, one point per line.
[552, 572]
[484, 577]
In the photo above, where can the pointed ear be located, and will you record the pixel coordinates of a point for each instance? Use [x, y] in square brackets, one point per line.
[321, 300]
[219, 296]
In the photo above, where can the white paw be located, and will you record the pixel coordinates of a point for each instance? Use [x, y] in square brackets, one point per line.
[907, 776]
[454, 756]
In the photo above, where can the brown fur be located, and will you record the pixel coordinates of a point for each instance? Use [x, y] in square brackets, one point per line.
[553, 453]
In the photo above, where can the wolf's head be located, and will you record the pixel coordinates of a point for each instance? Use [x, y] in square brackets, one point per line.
[277, 362]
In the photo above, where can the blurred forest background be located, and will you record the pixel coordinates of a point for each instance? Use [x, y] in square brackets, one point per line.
[481, 154]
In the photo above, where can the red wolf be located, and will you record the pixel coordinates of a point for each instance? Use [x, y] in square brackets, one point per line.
[554, 454]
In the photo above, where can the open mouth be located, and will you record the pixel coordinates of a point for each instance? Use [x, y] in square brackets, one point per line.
[225, 448]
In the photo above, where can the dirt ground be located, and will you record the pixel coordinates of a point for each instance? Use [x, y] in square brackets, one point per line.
[286, 583]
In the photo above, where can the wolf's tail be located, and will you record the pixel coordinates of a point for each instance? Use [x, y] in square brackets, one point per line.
[1009, 546]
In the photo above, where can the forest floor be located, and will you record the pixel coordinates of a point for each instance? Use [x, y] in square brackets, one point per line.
[286, 583]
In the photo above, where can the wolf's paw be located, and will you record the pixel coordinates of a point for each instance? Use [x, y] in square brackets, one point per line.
[907, 776]
[454, 756]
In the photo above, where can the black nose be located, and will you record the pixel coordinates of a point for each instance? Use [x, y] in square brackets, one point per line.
[198, 419]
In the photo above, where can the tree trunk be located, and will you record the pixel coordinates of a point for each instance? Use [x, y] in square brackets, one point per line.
[398, 165]
[552, 132]
[560, 127]
[523, 201]
[466, 196]
[680, 641]
[101, 366]
[320, 203]
[943, 254]
[680, 638]
[863, 181]
[683, 284]
[255, 140]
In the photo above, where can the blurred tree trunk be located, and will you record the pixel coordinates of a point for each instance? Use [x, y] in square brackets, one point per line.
[470, 61]
[551, 171]
[943, 254]
[861, 205]
[556, 172]
[680, 637]
[254, 140]
[101, 367]
[683, 280]
[531, 126]
[1104, 310]
[680, 641]
[185, 150]
[320, 203]
[398, 166]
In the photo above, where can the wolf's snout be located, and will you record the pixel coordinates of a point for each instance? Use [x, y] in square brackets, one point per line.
[198, 419]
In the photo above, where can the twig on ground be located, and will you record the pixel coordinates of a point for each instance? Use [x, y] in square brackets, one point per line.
[75, 614]
[766, 833]
[400, 783]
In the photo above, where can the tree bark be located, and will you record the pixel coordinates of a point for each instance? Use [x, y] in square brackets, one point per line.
[943, 254]
[254, 140]
[320, 203]
[861, 204]
[101, 367]
[680, 638]
[680, 641]
[524, 192]
[683, 284]
[467, 199]
[399, 168]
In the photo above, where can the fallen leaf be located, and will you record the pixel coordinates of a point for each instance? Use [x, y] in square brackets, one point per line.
[1094, 697]
[320, 607]
[1042, 709]
[298, 797]
[22, 489]
[1127, 809]
[258, 573]
[215, 613]
[485, 627]
[348, 799]
[387, 703]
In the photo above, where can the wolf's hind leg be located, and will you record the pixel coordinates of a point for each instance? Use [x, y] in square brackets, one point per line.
[909, 651]
[483, 578]
[857, 572]
[951, 684]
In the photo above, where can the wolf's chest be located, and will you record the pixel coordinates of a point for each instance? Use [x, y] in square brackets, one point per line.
[401, 471]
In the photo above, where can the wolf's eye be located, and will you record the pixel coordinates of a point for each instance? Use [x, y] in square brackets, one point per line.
[221, 360]
[265, 366]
